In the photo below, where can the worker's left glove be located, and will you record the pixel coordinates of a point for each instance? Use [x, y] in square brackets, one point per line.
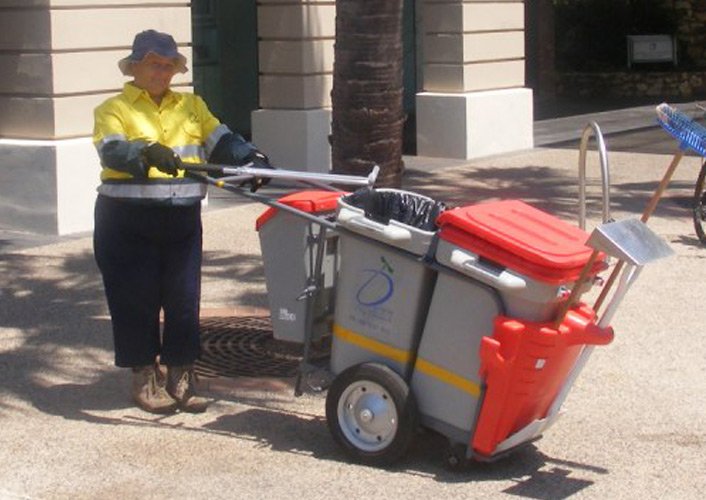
[258, 160]
[161, 157]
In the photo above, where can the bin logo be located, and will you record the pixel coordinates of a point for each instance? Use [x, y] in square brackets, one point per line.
[285, 315]
[377, 287]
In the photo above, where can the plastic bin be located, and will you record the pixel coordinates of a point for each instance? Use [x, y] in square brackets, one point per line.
[529, 256]
[383, 288]
[289, 252]
[502, 258]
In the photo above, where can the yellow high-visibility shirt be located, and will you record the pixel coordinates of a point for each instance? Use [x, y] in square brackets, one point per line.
[181, 121]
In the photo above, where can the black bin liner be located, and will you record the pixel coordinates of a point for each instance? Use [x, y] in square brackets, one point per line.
[408, 208]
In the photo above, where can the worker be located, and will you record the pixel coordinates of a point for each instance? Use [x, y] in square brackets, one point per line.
[148, 232]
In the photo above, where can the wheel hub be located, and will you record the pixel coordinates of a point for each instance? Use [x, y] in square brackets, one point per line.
[367, 416]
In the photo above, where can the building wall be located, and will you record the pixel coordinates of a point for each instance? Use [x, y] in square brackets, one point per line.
[474, 102]
[295, 52]
[58, 60]
[659, 85]
[692, 28]
[472, 67]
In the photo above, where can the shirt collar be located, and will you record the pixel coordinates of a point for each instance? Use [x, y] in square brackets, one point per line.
[133, 93]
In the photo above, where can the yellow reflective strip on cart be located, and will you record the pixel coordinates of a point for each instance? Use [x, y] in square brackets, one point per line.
[393, 353]
[447, 377]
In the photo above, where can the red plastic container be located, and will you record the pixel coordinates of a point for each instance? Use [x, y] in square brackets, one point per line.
[523, 238]
[524, 365]
[312, 202]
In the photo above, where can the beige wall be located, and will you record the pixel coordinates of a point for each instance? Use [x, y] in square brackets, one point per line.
[60, 57]
[296, 75]
[296, 53]
[473, 45]
[58, 60]
[474, 102]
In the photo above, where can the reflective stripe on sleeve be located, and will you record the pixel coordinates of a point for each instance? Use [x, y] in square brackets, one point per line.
[109, 138]
[216, 136]
[153, 191]
[191, 151]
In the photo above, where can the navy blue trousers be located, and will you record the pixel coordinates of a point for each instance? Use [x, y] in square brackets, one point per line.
[150, 260]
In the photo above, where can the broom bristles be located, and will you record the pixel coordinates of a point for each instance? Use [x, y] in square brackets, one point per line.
[689, 133]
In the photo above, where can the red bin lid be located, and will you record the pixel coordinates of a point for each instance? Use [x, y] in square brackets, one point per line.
[519, 236]
[312, 202]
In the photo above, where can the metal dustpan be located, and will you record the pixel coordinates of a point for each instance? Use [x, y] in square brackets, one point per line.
[629, 240]
[633, 243]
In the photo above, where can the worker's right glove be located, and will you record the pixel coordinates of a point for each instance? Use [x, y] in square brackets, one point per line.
[162, 158]
[258, 160]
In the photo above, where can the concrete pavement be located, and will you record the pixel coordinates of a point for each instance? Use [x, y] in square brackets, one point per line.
[635, 423]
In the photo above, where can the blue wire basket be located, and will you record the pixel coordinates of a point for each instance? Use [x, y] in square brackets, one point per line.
[691, 135]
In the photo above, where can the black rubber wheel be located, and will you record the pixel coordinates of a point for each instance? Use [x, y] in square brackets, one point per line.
[371, 413]
[455, 456]
[700, 205]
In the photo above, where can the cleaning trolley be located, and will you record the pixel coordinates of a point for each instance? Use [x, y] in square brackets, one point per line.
[469, 321]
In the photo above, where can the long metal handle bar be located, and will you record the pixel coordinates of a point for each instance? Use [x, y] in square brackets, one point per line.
[220, 183]
[593, 129]
[295, 175]
[238, 179]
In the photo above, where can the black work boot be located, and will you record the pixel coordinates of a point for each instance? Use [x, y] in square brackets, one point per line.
[181, 385]
[149, 393]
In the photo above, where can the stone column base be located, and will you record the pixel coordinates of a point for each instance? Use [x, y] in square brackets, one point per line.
[474, 124]
[294, 139]
[48, 187]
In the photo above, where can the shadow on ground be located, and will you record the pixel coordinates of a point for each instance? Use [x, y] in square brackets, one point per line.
[55, 333]
[536, 475]
[268, 423]
[543, 188]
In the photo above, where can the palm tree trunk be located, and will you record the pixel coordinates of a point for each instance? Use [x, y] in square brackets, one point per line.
[367, 112]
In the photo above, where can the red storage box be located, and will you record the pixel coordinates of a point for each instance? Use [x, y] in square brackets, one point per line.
[520, 237]
[313, 202]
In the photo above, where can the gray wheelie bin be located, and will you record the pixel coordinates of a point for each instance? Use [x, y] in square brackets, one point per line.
[384, 288]
[289, 245]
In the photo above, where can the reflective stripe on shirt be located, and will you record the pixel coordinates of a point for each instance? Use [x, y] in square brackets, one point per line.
[216, 136]
[153, 190]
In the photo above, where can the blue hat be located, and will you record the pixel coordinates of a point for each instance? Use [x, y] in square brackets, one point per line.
[148, 41]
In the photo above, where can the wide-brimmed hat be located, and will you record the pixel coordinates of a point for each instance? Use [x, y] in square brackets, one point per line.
[148, 41]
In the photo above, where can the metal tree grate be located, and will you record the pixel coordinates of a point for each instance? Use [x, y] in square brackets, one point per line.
[245, 347]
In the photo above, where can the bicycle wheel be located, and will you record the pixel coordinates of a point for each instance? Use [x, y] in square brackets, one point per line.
[700, 205]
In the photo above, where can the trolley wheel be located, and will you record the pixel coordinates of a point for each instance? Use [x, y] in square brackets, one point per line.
[371, 413]
[700, 205]
[455, 456]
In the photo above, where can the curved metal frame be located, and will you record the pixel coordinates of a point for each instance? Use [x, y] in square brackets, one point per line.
[593, 129]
